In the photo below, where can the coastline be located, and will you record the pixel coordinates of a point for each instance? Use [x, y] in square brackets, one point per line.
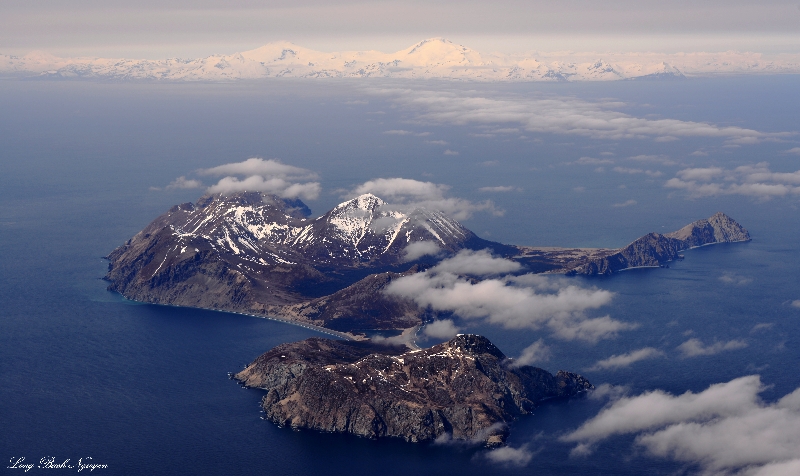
[323, 330]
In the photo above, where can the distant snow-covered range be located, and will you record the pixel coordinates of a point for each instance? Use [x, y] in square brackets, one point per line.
[431, 58]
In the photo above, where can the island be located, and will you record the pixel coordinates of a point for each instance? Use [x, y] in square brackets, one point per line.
[260, 254]
[463, 390]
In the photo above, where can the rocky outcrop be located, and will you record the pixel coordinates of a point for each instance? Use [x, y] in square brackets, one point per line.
[657, 250]
[464, 389]
[720, 228]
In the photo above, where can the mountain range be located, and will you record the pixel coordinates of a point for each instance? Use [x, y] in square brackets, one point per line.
[261, 254]
[431, 58]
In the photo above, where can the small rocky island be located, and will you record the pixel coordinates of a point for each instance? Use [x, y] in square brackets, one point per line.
[464, 389]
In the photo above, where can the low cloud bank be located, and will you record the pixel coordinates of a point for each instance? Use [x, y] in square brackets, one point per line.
[756, 181]
[725, 429]
[561, 115]
[517, 302]
[407, 194]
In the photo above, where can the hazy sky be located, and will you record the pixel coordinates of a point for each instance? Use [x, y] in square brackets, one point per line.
[191, 28]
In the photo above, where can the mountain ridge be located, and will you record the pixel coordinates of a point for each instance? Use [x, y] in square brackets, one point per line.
[430, 58]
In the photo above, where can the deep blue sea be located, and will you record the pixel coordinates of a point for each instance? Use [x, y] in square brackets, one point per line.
[144, 389]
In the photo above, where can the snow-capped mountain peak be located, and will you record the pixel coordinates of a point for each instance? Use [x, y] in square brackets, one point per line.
[439, 51]
[264, 229]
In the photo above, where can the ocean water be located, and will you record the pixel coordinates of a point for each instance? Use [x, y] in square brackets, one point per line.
[145, 389]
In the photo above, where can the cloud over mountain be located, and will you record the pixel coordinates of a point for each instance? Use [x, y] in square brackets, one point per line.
[259, 175]
[408, 194]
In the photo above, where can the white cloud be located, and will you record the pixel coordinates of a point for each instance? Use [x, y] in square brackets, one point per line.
[476, 263]
[725, 428]
[731, 278]
[450, 152]
[624, 360]
[436, 142]
[750, 180]
[695, 347]
[610, 392]
[398, 132]
[516, 302]
[277, 186]
[406, 339]
[796, 303]
[660, 159]
[704, 174]
[507, 455]
[257, 166]
[418, 249]
[499, 188]
[402, 188]
[762, 326]
[269, 176]
[408, 194]
[626, 203]
[593, 161]
[627, 170]
[560, 115]
[794, 150]
[442, 329]
[534, 353]
[183, 183]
